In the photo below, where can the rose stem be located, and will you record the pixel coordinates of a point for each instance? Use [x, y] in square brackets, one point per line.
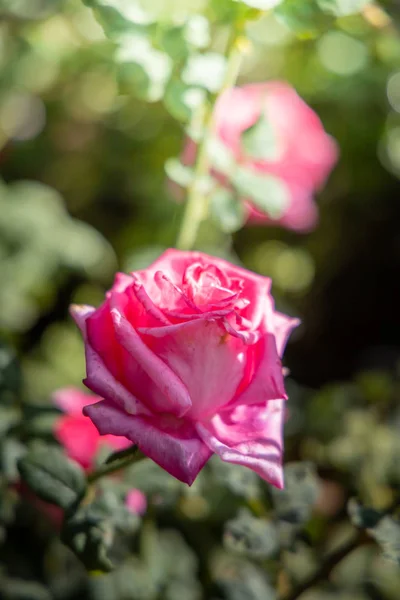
[196, 204]
[124, 460]
[334, 558]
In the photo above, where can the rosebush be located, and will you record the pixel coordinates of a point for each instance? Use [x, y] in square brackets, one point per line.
[187, 356]
[269, 131]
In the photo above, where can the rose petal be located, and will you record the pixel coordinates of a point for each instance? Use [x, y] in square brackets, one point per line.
[283, 326]
[99, 379]
[175, 396]
[209, 362]
[264, 375]
[252, 438]
[172, 443]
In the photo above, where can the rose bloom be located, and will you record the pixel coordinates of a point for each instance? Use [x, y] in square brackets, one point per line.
[186, 355]
[303, 154]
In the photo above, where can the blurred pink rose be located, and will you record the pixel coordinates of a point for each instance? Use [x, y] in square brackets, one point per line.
[303, 154]
[76, 433]
[186, 355]
[136, 502]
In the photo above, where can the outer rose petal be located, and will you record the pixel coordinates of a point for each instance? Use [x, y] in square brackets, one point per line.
[283, 326]
[266, 381]
[172, 443]
[175, 396]
[99, 379]
[250, 436]
[209, 362]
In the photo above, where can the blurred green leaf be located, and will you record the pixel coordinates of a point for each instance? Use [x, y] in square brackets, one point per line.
[362, 516]
[52, 476]
[21, 589]
[306, 19]
[220, 156]
[260, 141]
[387, 534]
[341, 8]
[90, 536]
[227, 210]
[240, 579]
[251, 536]
[10, 380]
[173, 42]
[180, 100]
[205, 70]
[178, 172]
[267, 192]
[295, 502]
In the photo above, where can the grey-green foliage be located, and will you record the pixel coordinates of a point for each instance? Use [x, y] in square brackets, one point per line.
[387, 534]
[38, 239]
[161, 51]
[295, 502]
[251, 536]
[240, 579]
[52, 476]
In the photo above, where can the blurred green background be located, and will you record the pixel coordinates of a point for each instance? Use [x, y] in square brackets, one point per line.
[84, 193]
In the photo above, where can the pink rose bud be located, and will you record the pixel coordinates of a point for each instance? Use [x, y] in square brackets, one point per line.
[186, 355]
[75, 432]
[136, 502]
[291, 145]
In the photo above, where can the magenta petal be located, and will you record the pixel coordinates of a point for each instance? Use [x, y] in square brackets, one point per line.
[210, 362]
[172, 443]
[99, 379]
[266, 382]
[283, 326]
[80, 312]
[102, 382]
[250, 436]
[176, 398]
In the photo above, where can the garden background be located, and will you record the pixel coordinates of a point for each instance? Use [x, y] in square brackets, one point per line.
[84, 139]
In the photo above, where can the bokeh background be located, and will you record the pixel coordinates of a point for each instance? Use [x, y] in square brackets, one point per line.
[84, 193]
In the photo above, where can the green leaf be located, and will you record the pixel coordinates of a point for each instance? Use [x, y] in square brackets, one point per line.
[52, 476]
[205, 70]
[180, 100]
[387, 534]
[173, 42]
[260, 141]
[341, 8]
[197, 31]
[251, 536]
[306, 19]
[143, 68]
[294, 503]
[178, 173]
[220, 156]
[262, 4]
[267, 192]
[362, 516]
[90, 536]
[227, 210]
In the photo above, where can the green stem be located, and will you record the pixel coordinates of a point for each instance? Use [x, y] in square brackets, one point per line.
[121, 461]
[196, 207]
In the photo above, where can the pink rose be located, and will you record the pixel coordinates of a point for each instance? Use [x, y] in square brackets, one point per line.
[186, 355]
[76, 433]
[302, 156]
[136, 502]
